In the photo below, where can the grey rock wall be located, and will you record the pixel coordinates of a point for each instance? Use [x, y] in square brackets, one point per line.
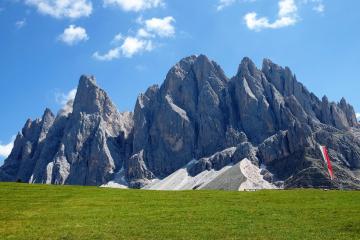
[264, 115]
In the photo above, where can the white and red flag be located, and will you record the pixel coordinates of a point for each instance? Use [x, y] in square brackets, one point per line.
[326, 158]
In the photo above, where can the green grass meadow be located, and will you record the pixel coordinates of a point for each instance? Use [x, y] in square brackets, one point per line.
[72, 212]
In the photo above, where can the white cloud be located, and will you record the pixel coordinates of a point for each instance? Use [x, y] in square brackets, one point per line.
[20, 23]
[66, 101]
[358, 116]
[63, 8]
[117, 38]
[5, 149]
[129, 47]
[163, 27]
[227, 3]
[134, 5]
[110, 55]
[142, 41]
[287, 16]
[142, 33]
[64, 98]
[133, 45]
[224, 3]
[73, 35]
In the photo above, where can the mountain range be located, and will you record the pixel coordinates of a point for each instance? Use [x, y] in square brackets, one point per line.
[198, 130]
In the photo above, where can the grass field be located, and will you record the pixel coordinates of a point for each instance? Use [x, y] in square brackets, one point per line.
[67, 212]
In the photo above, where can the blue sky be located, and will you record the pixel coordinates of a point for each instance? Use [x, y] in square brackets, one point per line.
[131, 44]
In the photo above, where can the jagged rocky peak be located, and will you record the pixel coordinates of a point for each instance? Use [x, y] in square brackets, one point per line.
[84, 145]
[325, 110]
[46, 121]
[249, 78]
[29, 125]
[145, 98]
[48, 115]
[325, 99]
[91, 99]
[190, 116]
[269, 66]
[36, 130]
[199, 69]
[198, 117]
[183, 118]
[205, 68]
[247, 67]
[282, 78]
[191, 82]
[27, 145]
[341, 115]
[99, 131]
[349, 112]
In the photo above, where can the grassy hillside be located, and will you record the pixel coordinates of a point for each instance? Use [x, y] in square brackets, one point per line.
[66, 212]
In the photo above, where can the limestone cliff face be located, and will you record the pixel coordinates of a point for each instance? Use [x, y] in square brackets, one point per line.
[265, 115]
[183, 119]
[82, 146]
[27, 148]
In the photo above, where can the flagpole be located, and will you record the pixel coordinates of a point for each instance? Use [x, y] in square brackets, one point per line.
[325, 155]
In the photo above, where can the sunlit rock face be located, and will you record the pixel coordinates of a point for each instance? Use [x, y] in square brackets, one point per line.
[197, 116]
[82, 145]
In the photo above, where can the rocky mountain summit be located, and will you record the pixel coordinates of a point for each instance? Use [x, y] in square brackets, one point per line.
[198, 130]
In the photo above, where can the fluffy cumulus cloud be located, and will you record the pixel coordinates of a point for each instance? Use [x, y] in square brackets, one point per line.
[132, 45]
[112, 54]
[287, 16]
[223, 4]
[163, 27]
[134, 5]
[73, 35]
[63, 8]
[142, 41]
[5, 149]
[129, 47]
[358, 116]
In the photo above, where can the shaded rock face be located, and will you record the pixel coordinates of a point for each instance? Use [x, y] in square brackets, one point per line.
[27, 148]
[184, 118]
[264, 115]
[267, 115]
[84, 146]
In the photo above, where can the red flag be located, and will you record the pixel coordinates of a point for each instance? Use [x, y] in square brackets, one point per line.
[326, 158]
